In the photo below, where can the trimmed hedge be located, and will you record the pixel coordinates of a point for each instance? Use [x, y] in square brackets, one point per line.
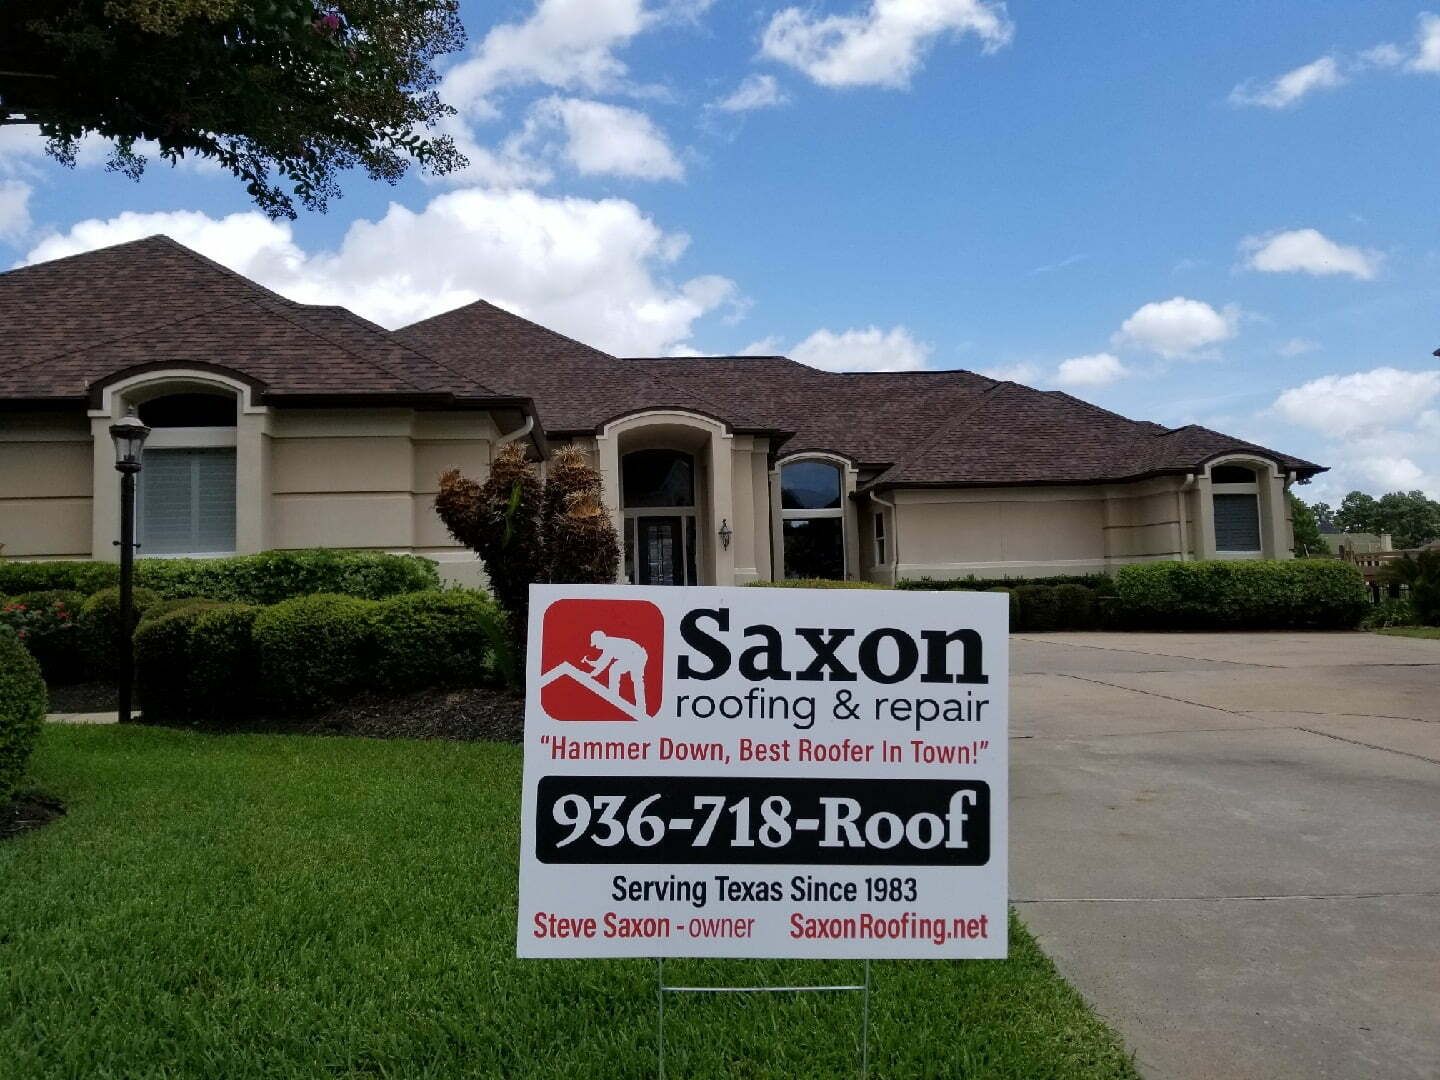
[1100, 583]
[266, 578]
[224, 663]
[22, 710]
[1321, 594]
[100, 628]
[313, 650]
[163, 661]
[815, 583]
[435, 639]
[1055, 607]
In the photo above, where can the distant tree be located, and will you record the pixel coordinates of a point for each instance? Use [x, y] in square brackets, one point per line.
[1358, 512]
[282, 93]
[1410, 517]
[1324, 516]
[1306, 529]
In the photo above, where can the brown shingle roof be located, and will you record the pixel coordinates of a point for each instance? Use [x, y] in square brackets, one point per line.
[66, 324]
[577, 388]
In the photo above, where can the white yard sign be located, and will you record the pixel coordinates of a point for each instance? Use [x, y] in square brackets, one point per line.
[764, 773]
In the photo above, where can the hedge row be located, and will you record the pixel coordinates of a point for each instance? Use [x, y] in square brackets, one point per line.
[205, 660]
[1316, 594]
[22, 711]
[266, 578]
[1324, 594]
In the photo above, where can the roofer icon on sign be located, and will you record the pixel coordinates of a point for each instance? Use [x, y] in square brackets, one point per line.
[602, 659]
[619, 657]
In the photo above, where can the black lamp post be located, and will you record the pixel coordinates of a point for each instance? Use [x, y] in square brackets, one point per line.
[129, 435]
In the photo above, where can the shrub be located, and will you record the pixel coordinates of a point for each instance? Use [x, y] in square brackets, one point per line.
[224, 665]
[1055, 607]
[48, 622]
[313, 650]
[100, 628]
[1422, 573]
[22, 710]
[78, 574]
[1100, 583]
[814, 583]
[163, 661]
[1224, 595]
[1390, 612]
[266, 578]
[438, 639]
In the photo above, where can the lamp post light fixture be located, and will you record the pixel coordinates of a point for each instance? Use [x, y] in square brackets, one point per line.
[129, 435]
[725, 533]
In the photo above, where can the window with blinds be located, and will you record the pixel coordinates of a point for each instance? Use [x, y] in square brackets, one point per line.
[1237, 523]
[187, 502]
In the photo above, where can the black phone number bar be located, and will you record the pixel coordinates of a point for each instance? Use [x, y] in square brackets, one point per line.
[760, 820]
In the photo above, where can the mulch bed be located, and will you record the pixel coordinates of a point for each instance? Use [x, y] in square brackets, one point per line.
[472, 713]
[28, 810]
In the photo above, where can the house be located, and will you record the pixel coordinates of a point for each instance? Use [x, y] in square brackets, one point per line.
[277, 424]
[1350, 544]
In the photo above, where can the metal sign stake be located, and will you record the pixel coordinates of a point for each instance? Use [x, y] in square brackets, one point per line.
[862, 988]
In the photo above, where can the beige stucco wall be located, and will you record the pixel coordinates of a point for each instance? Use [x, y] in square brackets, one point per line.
[46, 481]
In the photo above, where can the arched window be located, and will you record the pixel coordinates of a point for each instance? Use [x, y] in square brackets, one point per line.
[1235, 492]
[657, 488]
[812, 513]
[186, 503]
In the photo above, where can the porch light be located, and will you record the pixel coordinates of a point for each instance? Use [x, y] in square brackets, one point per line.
[129, 435]
[725, 534]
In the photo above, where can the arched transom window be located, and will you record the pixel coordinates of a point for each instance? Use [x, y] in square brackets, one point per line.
[812, 512]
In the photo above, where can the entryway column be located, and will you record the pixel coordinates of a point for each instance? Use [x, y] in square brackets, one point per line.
[722, 506]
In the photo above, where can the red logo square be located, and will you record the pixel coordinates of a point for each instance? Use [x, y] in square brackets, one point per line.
[602, 660]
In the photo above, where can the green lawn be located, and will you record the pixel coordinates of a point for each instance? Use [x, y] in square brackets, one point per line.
[1412, 631]
[278, 906]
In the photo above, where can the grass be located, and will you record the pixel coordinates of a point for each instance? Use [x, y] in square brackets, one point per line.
[1412, 631]
[284, 906]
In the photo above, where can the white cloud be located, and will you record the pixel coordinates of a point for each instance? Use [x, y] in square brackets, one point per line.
[870, 349]
[14, 209]
[1099, 369]
[593, 269]
[1177, 327]
[766, 346]
[1350, 406]
[1308, 251]
[882, 45]
[602, 139]
[754, 92]
[1285, 90]
[1391, 473]
[1022, 371]
[1383, 56]
[1427, 45]
[1297, 346]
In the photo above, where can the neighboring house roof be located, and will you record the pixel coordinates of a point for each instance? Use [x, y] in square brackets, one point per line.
[68, 326]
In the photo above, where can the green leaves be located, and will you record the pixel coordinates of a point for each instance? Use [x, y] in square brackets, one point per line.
[285, 94]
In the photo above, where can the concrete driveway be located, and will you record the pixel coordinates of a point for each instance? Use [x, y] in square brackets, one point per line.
[1231, 844]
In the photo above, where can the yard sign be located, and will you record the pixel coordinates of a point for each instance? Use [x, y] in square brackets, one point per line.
[764, 773]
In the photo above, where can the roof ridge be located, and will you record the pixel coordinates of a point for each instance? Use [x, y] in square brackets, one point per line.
[925, 443]
[482, 302]
[393, 338]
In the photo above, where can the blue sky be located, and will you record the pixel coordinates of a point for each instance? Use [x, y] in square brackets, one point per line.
[1220, 213]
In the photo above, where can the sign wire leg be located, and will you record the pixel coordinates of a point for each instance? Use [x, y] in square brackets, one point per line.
[865, 1026]
[660, 994]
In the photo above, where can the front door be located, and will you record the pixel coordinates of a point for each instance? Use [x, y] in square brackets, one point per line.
[664, 549]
